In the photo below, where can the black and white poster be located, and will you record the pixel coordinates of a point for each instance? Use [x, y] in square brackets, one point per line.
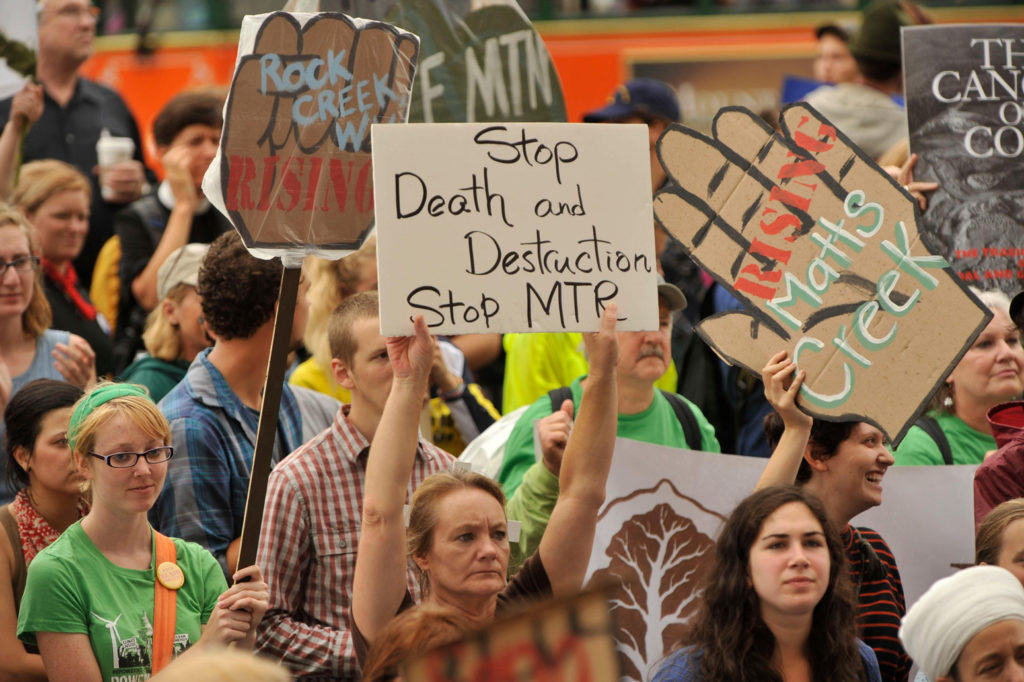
[965, 110]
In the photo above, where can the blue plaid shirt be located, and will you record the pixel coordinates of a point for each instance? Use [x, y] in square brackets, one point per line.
[214, 435]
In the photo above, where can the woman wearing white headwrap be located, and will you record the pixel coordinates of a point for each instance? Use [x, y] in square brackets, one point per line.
[968, 627]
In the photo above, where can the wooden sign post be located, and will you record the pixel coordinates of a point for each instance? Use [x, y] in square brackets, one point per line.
[293, 172]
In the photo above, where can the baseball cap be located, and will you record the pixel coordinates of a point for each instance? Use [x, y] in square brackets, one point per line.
[879, 35]
[674, 298]
[181, 267]
[640, 96]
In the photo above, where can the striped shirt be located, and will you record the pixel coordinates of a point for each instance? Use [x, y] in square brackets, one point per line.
[880, 602]
[214, 435]
[308, 549]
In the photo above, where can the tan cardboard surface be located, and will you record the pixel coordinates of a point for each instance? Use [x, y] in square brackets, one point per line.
[822, 248]
[294, 169]
[568, 639]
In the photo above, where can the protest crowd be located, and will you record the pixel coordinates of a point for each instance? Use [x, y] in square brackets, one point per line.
[424, 487]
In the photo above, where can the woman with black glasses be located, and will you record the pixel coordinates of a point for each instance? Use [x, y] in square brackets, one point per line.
[112, 599]
[29, 349]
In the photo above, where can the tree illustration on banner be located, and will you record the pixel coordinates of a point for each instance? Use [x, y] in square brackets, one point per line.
[659, 557]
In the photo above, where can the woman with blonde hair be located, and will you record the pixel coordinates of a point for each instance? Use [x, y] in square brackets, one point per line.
[956, 429]
[29, 349]
[330, 282]
[457, 533]
[1000, 538]
[458, 409]
[175, 333]
[112, 599]
[54, 197]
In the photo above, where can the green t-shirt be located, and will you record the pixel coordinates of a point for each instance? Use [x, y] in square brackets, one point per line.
[533, 490]
[537, 363]
[73, 588]
[159, 376]
[967, 445]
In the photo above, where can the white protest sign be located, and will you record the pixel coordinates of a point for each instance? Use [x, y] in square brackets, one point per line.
[664, 509]
[18, 43]
[508, 227]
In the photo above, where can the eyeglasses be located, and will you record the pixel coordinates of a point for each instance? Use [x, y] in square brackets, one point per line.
[20, 265]
[77, 12]
[126, 460]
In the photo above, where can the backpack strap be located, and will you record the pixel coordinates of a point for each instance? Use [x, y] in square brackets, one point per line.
[934, 431]
[558, 396]
[687, 420]
[691, 429]
[165, 604]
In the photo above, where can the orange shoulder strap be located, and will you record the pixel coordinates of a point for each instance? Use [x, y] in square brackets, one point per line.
[164, 607]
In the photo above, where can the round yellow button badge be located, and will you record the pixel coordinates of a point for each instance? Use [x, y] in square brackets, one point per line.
[170, 576]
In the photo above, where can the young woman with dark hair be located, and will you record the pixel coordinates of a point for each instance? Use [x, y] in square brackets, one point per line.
[778, 607]
[843, 463]
[49, 500]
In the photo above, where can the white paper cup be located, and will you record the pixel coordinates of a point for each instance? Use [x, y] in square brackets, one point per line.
[110, 151]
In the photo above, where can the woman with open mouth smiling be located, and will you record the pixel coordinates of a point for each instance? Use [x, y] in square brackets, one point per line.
[842, 463]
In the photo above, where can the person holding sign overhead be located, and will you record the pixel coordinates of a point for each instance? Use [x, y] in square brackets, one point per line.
[458, 533]
[843, 463]
[311, 520]
[111, 599]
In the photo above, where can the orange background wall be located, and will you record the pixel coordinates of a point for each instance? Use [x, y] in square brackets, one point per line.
[591, 56]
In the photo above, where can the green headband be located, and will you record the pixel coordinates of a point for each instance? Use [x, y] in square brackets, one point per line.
[103, 393]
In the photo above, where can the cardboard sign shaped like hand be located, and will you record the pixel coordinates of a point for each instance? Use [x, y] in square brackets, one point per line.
[822, 247]
[294, 171]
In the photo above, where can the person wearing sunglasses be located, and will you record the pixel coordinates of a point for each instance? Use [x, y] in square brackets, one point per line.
[96, 600]
[29, 349]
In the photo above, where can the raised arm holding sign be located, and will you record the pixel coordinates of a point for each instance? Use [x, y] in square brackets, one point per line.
[293, 175]
[822, 248]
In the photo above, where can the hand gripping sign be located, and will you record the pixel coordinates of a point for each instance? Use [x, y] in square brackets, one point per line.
[293, 171]
[822, 247]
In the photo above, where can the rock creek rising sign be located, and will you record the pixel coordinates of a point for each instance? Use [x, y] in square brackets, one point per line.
[293, 172]
[508, 227]
[822, 248]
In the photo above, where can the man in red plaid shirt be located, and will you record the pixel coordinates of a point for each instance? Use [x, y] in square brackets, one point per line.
[311, 522]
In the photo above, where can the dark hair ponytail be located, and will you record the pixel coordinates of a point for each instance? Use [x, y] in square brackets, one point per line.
[23, 419]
